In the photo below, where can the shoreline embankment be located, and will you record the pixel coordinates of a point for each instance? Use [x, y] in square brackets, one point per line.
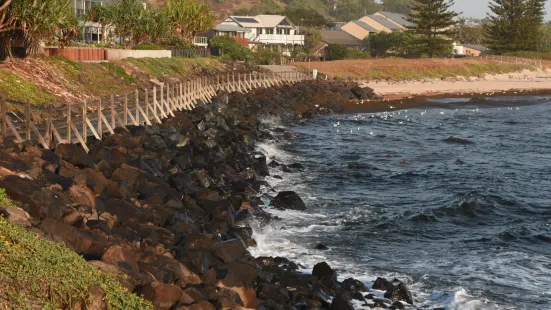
[169, 205]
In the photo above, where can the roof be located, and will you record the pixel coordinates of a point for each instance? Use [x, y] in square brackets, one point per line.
[385, 22]
[365, 26]
[476, 47]
[398, 18]
[227, 28]
[340, 37]
[269, 21]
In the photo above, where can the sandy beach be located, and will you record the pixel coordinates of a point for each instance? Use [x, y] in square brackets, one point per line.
[464, 86]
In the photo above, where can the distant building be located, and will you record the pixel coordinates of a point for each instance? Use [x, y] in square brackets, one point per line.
[380, 21]
[275, 31]
[336, 37]
[468, 49]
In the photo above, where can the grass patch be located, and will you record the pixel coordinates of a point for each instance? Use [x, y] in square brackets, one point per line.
[48, 274]
[20, 89]
[119, 71]
[466, 70]
[177, 66]
[77, 66]
[4, 199]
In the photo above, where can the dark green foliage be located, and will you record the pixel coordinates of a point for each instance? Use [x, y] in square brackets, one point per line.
[514, 25]
[306, 18]
[400, 44]
[347, 10]
[336, 52]
[433, 21]
[229, 48]
[398, 6]
[469, 31]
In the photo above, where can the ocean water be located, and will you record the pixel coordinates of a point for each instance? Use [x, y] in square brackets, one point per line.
[465, 222]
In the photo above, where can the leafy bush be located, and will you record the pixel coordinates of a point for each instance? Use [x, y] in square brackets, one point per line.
[400, 44]
[232, 49]
[4, 199]
[336, 52]
[267, 56]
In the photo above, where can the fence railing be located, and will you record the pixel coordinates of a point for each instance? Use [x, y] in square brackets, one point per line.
[74, 123]
[509, 59]
[192, 52]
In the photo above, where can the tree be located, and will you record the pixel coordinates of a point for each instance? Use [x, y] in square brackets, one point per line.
[5, 19]
[336, 52]
[396, 43]
[514, 25]
[154, 25]
[31, 22]
[126, 16]
[545, 42]
[398, 6]
[432, 22]
[188, 17]
[469, 31]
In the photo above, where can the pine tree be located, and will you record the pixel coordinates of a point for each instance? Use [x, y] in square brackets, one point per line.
[433, 23]
[514, 25]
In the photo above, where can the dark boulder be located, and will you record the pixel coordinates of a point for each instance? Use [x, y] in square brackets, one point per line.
[74, 154]
[381, 284]
[457, 140]
[341, 302]
[288, 200]
[353, 285]
[321, 246]
[323, 270]
[292, 168]
[398, 291]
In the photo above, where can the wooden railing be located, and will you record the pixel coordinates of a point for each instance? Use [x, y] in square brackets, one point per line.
[509, 59]
[73, 123]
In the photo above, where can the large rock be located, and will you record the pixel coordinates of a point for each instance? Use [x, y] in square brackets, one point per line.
[163, 296]
[322, 270]
[231, 250]
[341, 302]
[74, 154]
[398, 291]
[288, 200]
[121, 257]
[16, 216]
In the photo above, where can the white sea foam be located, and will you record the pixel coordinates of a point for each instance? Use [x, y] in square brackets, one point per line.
[279, 239]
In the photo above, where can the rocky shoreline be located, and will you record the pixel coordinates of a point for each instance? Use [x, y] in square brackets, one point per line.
[168, 207]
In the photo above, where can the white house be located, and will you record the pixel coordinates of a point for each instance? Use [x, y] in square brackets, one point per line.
[271, 30]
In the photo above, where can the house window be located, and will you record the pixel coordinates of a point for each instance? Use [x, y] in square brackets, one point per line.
[258, 30]
[269, 30]
[283, 31]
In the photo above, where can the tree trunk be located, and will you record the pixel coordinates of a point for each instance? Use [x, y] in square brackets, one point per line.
[5, 47]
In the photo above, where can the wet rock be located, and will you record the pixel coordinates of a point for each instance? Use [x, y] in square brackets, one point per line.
[321, 246]
[274, 292]
[398, 291]
[353, 285]
[381, 284]
[202, 305]
[457, 140]
[322, 270]
[397, 306]
[341, 302]
[16, 216]
[154, 142]
[162, 296]
[288, 200]
[292, 168]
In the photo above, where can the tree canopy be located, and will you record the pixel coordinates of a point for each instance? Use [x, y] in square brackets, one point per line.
[433, 21]
[188, 17]
[515, 25]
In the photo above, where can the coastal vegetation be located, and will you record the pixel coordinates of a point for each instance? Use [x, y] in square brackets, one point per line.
[47, 274]
[412, 69]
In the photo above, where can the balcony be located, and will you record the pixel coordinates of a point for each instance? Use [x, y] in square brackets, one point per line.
[280, 39]
[200, 41]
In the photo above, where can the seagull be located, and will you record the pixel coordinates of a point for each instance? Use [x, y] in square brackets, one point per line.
[441, 113]
[371, 133]
[337, 124]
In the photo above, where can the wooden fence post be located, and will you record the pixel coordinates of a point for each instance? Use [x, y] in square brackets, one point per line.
[100, 127]
[28, 116]
[161, 100]
[155, 101]
[112, 111]
[3, 113]
[69, 115]
[84, 123]
[49, 127]
[125, 116]
[137, 93]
